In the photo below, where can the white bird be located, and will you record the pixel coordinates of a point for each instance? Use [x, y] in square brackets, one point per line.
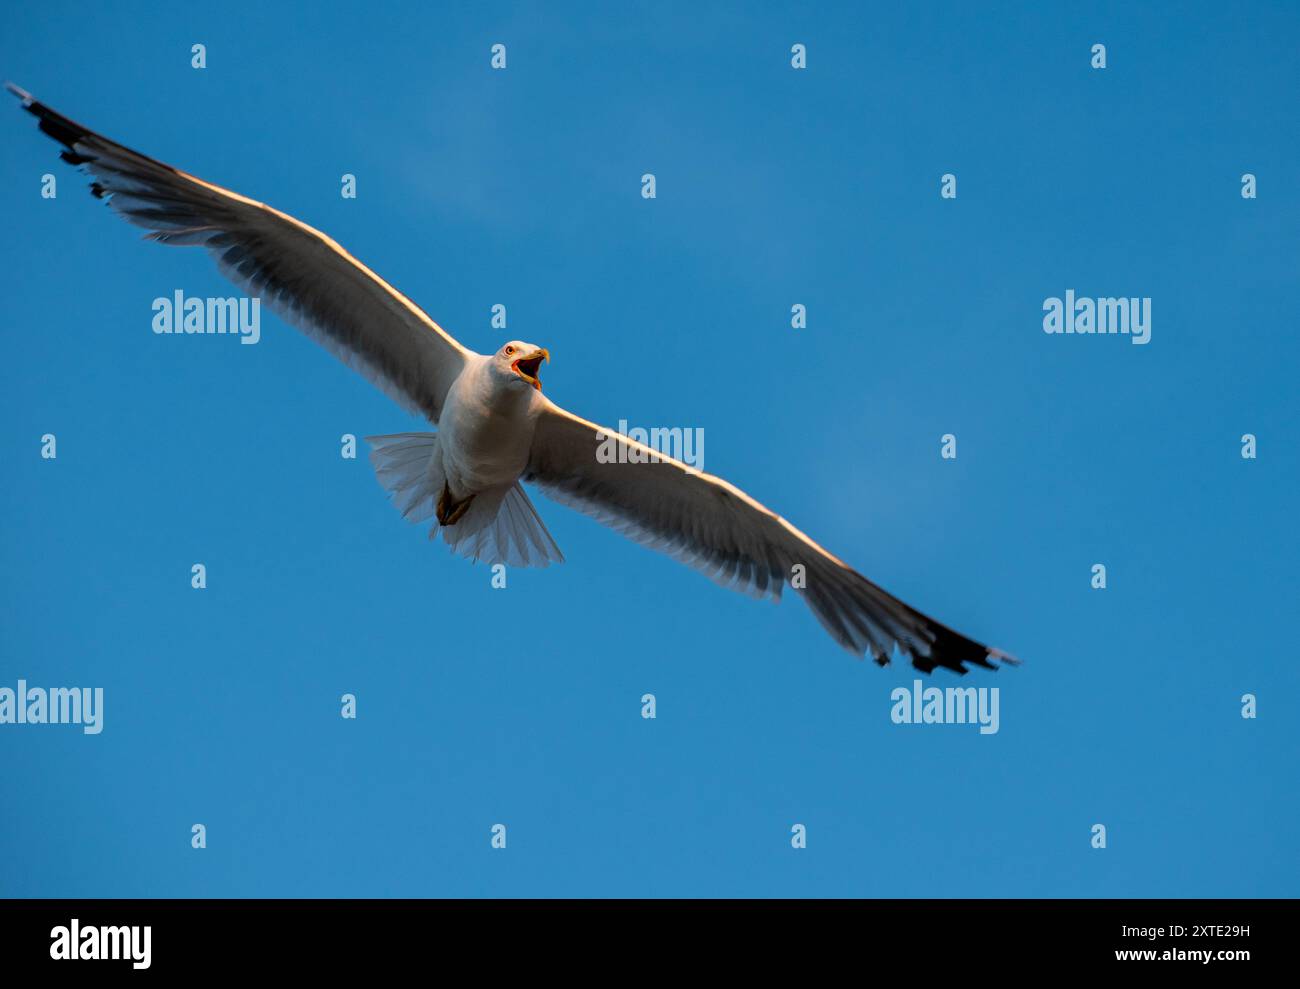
[495, 427]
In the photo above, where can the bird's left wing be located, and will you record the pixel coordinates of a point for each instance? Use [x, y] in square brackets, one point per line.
[300, 273]
[719, 530]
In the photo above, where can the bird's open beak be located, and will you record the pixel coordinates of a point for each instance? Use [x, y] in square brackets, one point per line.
[526, 367]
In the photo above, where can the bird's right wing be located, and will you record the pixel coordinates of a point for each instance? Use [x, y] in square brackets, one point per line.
[301, 274]
[719, 530]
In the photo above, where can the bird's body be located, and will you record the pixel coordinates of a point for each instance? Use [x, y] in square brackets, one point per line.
[495, 427]
[486, 430]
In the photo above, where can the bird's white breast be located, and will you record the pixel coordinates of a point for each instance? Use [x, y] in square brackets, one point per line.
[485, 430]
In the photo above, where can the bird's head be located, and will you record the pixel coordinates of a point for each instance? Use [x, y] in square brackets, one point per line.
[521, 361]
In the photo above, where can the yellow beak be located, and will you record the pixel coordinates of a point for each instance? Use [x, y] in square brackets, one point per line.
[531, 362]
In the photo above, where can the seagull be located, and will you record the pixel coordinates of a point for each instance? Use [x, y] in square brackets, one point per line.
[495, 428]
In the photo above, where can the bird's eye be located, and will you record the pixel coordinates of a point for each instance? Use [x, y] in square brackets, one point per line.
[509, 351]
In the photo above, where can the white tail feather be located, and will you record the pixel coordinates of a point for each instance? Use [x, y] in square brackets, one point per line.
[500, 526]
[408, 468]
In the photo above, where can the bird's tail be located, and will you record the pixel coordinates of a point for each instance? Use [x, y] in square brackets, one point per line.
[409, 469]
[499, 526]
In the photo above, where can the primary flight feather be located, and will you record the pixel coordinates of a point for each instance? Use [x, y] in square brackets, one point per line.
[495, 427]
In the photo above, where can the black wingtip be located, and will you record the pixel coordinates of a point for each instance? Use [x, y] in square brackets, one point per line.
[56, 125]
[1005, 658]
[22, 94]
[953, 651]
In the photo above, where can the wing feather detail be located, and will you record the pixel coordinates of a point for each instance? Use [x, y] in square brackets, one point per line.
[714, 527]
[298, 272]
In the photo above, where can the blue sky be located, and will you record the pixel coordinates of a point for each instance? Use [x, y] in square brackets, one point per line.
[522, 706]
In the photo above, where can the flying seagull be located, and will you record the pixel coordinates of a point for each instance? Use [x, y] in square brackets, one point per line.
[495, 427]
